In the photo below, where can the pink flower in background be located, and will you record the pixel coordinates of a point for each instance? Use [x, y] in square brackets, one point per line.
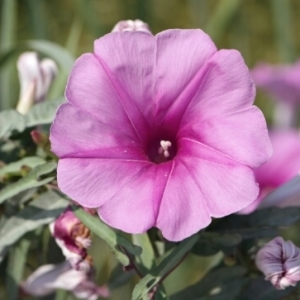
[73, 238]
[282, 167]
[282, 83]
[35, 79]
[130, 25]
[279, 260]
[48, 278]
[160, 131]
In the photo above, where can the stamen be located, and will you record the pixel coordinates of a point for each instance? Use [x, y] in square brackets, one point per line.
[164, 148]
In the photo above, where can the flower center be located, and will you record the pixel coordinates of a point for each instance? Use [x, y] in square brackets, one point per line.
[161, 150]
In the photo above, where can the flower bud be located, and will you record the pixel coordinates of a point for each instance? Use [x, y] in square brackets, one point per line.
[130, 25]
[35, 79]
[73, 238]
[48, 278]
[279, 260]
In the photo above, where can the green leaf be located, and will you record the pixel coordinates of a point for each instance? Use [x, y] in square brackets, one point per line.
[7, 55]
[283, 29]
[54, 51]
[112, 238]
[15, 268]
[8, 24]
[265, 220]
[118, 277]
[11, 121]
[32, 179]
[260, 289]
[221, 18]
[29, 161]
[211, 243]
[165, 267]
[229, 290]
[43, 113]
[37, 18]
[215, 279]
[43, 210]
[251, 233]
[274, 216]
[146, 259]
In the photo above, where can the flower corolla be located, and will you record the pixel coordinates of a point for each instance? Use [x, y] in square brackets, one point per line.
[279, 260]
[48, 278]
[282, 167]
[73, 237]
[35, 78]
[281, 82]
[160, 131]
[130, 25]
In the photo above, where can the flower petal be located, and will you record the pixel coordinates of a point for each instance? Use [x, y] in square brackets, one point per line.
[285, 163]
[91, 90]
[128, 58]
[47, 278]
[134, 206]
[183, 210]
[92, 182]
[226, 185]
[181, 56]
[242, 136]
[226, 87]
[88, 137]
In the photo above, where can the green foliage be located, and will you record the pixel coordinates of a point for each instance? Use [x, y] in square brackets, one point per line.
[216, 280]
[15, 268]
[15, 167]
[43, 113]
[31, 180]
[41, 211]
[11, 121]
[163, 269]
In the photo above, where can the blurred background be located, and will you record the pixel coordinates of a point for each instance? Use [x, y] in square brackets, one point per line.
[262, 30]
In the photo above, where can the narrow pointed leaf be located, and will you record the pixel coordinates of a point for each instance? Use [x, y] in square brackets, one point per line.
[157, 274]
[215, 279]
[29, 161]
[43, 210]
[11, 121]
[43, 113]
[15, 268]
[146, 259]
[32, 179]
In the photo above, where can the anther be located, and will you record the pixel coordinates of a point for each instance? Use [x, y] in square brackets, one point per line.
[164, 148]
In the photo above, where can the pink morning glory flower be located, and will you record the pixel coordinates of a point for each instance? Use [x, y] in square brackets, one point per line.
[73, 237]
[279, 260]
[48, 278]
[35, 79]
[282, 83]
[160, 131]
[282, 167]
[131, 25]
